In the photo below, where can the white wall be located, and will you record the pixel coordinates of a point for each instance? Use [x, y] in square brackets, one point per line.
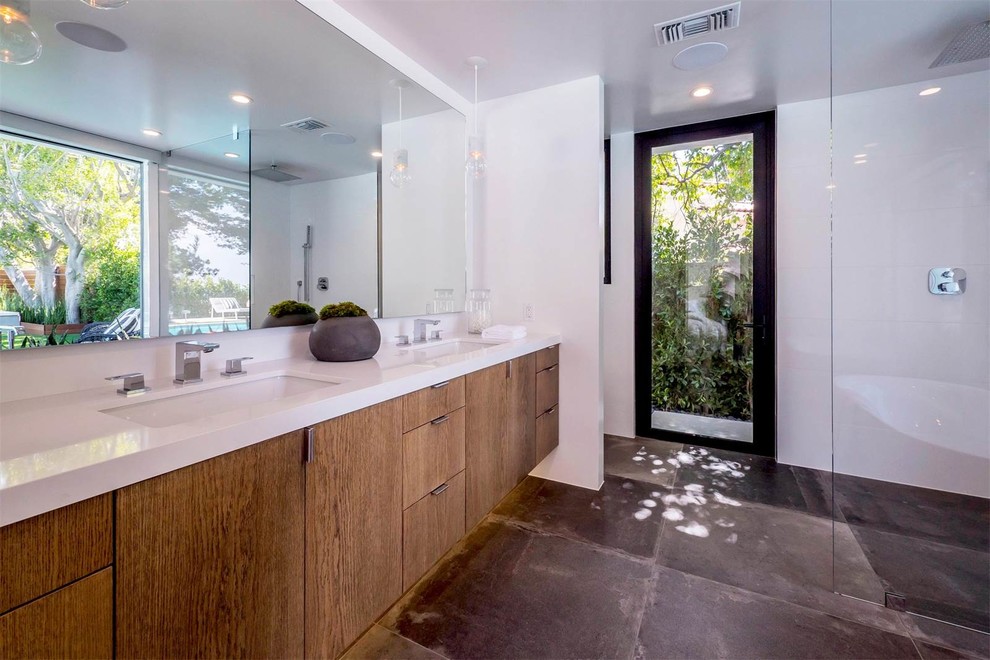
[539, 241]
[618, 299]
[344, 217]
[423, 223]
[270, 271]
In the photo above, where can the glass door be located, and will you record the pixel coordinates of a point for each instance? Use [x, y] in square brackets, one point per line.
[704, 323]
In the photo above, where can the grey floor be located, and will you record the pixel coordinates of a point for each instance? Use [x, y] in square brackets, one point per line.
[685, 552]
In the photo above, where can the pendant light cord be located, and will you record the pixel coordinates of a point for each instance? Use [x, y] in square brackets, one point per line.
[475, 99]
[400, 118]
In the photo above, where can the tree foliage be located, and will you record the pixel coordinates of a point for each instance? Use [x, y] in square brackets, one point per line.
[702, 356]
[62, 207]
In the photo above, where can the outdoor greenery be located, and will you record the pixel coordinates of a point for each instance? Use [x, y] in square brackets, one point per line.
[192, 294]
[53, 315]
[68, 211]
[287, 307]
[702, 356]
[341, 309]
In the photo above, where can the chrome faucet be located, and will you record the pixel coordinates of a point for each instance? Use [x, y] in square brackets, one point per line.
[419, 329]
[187, 360]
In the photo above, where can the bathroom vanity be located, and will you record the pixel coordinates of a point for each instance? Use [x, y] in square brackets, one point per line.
[249, 542]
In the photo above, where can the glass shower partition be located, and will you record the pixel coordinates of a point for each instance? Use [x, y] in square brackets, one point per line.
[910, 358]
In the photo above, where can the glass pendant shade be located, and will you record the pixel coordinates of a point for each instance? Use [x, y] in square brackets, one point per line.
[105, 4]
[19, 43]
[476, 165]
[399, 176]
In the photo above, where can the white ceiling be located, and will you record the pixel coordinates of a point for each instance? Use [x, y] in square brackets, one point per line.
[184, 59]
[779, 54]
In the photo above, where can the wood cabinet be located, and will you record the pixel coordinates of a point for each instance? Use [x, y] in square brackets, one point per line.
[432, 454]
[427, 404]
[500, 435]
[430, 527]
[43, 553]
[210, 557]
[73, 622]
[547, 402]
[353, 526]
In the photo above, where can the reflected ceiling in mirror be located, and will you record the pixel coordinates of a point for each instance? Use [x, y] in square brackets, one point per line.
[258, 117]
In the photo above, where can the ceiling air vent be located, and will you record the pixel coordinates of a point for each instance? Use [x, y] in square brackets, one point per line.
[306, 125]
[695, 25]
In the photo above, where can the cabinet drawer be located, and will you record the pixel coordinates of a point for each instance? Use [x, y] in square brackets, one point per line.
[73, 622]
[432, 454]
[547, 433]
[547, 357]
[430, 527]
[427, 404]
[547, 389]
[45, 552]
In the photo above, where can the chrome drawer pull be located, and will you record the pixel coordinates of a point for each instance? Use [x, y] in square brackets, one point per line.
[440, 420]
[550, 411]
[439, 385]
[439, 489]
[551, 368]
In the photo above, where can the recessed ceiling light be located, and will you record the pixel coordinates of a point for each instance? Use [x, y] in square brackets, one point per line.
[701, 92]
[243, 99]
[830, 186]
[930, 91]
[376, 154]
[860, 161]
[860, 156]
[150, 132]
[231, 154]
[335, 137]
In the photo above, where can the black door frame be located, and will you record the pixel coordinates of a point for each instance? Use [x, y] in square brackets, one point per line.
[762, 126]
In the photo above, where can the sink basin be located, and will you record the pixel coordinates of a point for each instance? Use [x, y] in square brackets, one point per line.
[186, 408]
[456, 347]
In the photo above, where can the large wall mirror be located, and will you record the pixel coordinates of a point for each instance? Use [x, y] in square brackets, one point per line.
[175, 168]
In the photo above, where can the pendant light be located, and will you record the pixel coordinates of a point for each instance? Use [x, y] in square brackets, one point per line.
[19, 43]
[399, 176]
[476, 165]
[105, 4]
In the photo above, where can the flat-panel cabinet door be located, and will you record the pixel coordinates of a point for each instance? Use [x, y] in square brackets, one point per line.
[485, 446]
[210, 558]
[521, 419]
[74, 622]
[353, 526]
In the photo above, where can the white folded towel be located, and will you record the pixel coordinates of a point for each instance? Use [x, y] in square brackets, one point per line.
[504, 332]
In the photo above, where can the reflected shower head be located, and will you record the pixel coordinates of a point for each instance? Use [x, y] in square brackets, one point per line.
[972, 43]
[273, 173]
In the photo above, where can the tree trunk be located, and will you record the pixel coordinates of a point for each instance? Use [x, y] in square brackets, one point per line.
[74, 270]
[44, 280]
[19, 280]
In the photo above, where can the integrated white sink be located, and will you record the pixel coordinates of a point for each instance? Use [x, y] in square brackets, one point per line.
[185, 408]
[455, 347]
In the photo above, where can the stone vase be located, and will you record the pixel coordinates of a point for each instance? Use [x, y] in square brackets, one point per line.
[345, 339]
[289, 319]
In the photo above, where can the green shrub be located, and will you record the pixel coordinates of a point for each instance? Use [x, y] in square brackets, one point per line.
[112, 284]
[12, 302]
[288, 307]
[340, 310]
[193, 294]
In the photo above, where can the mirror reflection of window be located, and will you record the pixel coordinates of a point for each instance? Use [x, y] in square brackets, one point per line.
[70, 244]
[207, 240]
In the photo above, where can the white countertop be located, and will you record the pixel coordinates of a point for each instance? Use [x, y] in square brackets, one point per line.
[61, 449]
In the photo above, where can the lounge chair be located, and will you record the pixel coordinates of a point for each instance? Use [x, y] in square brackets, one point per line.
[126, 325]
[224, 306]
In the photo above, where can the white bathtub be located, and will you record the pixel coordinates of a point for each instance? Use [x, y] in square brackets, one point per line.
[923, 432]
